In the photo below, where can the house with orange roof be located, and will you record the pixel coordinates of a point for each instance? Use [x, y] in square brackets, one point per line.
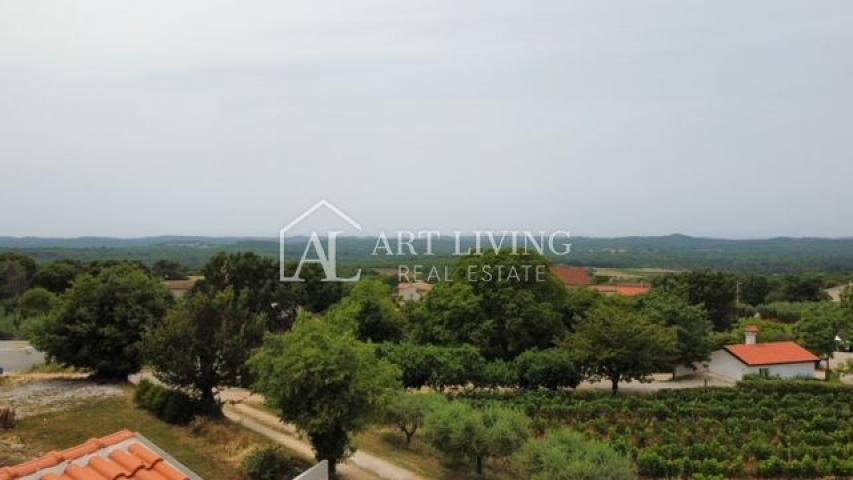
[773, 359]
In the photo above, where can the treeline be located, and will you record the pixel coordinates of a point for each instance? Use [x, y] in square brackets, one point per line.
[680, 252]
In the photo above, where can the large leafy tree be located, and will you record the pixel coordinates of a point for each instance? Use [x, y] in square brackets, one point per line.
[16, 274]
[255, 282]
[501, 313]
[552, 368]
[99, 322]
[819, 328]
[370, 311]
[463, 432]
[615, 343]
[35, 302]
[203, 344]
[326, 382]
[716, 292]
[690, 323]
[57, 276]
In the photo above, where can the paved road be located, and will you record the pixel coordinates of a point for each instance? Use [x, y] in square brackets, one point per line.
[18, 356]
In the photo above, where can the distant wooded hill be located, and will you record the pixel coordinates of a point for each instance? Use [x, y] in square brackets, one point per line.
[775, 255]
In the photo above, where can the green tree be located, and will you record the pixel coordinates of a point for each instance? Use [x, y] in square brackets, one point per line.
[754, 289]
[615, 343]
[716, 292]
[690, 323]
[464, 433]
[255, 282]
[435, 366]
[566, 455]
[16, 274]
[408, 411]
[99, 322]
[800, 288]
[820, 326]
[203, 344]
[36, 302]
[370, 311]
[57, 276]
[552, 368]
[326, 382]
[498, 303]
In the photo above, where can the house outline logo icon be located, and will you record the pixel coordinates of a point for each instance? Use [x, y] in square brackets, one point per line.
[326, 259]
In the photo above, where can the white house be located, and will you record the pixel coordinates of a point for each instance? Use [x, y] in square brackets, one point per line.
[773, 359]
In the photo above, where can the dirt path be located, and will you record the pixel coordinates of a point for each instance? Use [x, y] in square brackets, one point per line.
[360, 466]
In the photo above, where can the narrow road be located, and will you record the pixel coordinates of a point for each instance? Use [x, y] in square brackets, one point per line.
[360, 466]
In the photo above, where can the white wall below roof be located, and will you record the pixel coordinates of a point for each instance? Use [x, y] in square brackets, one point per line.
[727, 365]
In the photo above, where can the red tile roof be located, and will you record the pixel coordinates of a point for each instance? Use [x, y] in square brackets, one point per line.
[572, 276]
[772, 353]
[417, 286]
[121, 456]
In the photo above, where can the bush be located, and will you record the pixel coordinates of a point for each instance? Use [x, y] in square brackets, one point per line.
[771, 468]
[565, 454]
[270, 464]
[171, 406]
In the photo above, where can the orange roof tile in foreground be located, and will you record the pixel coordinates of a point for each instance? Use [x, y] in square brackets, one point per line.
[122, 456]
[772, 353]
[572, 276]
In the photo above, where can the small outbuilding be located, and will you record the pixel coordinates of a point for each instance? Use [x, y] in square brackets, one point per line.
[773, 359]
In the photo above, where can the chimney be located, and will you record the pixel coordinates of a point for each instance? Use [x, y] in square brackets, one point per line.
[751, 335]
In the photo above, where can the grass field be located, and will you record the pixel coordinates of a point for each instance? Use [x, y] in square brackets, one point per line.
[213, 449]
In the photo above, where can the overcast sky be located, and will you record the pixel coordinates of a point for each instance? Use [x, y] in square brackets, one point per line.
[721, 118]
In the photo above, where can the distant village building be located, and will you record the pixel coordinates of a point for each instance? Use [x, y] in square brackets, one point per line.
[623, 289]
[413, 291]
[572, 276]
[580, 277]
[774, 359]
[179, 288]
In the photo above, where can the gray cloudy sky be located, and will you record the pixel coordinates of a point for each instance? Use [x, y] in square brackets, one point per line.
[723, 118]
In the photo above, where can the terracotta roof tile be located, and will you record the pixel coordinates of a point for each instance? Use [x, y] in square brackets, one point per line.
[121, 456]
[772, 353]
[572, 276]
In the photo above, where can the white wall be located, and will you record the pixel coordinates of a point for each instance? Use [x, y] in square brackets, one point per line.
[727, 365]
[317, 472]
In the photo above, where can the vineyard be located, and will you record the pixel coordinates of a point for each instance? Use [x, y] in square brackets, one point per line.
[761, 429]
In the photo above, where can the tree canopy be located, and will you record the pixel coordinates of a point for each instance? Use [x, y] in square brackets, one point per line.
[99, 322]
[326, 382]
[615, 343]
[203, 344]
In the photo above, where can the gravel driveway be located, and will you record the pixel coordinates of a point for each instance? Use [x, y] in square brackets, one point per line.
[44, 396]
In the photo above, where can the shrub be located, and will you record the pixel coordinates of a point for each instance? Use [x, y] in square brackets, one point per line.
[171, 406]
[270, 464]
[771, 468]
[566, 454]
